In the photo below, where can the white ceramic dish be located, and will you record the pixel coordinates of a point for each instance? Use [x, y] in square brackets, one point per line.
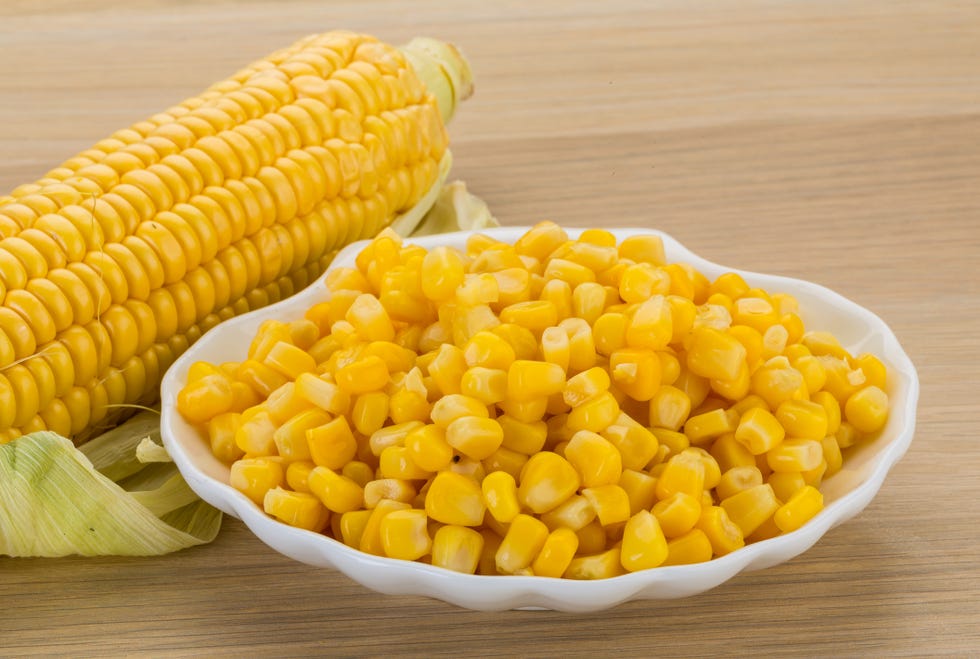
[846, 493]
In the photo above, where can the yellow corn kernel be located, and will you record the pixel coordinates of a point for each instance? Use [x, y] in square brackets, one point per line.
[253, 477]
[332, 444]
[396, 462]
[370, 318]
[222, 430]
[683, 472]
[752, 341]
[457, 548]
[724, 535]
[874, 370]
[802, 419]
[337, 492]
[447, 368]
[636, 444]
[456, 406]
[500, 494]
[712, 472]
[371, 536]
[487, 385]
[476, 437]
[290, 360]
[604, 565]
[645, 248]
[846, 435]
[581, 344]
[504, 459]
[555, 347]
[541, 240]
[523, 437]
[795, 455]
[786, 483]
[556, 553]
[636, 372]
[750, 508]
[525, 411]
[404, 534]
[535, 315]
[831, 455]
[596, 414]
[597, 460]
[609, 332]
[476, 289]
[831, 408]
[592, 538]
[205, 398]
[254, 435]
[777, 382]
[558, 293]
[352, 526]
[640, 487]
[815, 475]
[594, 257]
[297, 475]
[428, 448]
[669, 408]
[650, 325]
[677, 514]
[528, 380]
[755, 312]
[298, 509]
[867, 409]
[824, 343]
[736, 479]
[715, 354]
[644, 545]
[323, 393]
[455, 499]
[363, 375]
[692, 547]
[799, 509]
[611, 503]
[468, 320]
[703, 428]
[284, 403]
[370, 412]
[407, 405]
[568, 271]
[641, 281]
[812, 370]
[729, 453]
[574, 513]
[522, 544]
[585, 386]
[673, 441]
[397, 358]
[393, 435]
[546, 481]
[513, 285]
[442, 273]
[589, 301]
[488, 350]
[359, 472]
[290, 437]
[759, 431]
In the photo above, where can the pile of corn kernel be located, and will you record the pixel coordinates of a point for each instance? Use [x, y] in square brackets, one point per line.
[554, 407]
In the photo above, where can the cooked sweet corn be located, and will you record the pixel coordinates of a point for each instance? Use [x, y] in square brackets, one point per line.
[556, 408]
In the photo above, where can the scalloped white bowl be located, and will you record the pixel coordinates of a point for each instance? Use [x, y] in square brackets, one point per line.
[846, 493]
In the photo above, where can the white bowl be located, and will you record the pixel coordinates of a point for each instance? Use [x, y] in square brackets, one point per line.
[846, 493]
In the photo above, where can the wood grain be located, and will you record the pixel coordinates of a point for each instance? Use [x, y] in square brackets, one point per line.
[834, 141]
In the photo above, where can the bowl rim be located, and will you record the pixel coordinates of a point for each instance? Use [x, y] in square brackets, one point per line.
[497, 592]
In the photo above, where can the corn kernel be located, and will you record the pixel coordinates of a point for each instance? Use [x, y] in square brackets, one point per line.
[428, 448]
[724, 535]
[363, 375]
[595, 459]
[677, 514]
[846, 435]
[596, 414]
[802, 419]
[297, 475]
[574, 513]
[609, 332]
[222, 430]
[474, 436]
[527, 411]
[832, 409]
[447, 368]
[611, 503]
[455, 499]
[759, 431]
[322, 393]
[297, 509]
[750, 508]
[290, 437]
[290, 360]
[640, 487]
[799, 509]
[867, 409]
[522, 544]
[546, 481]
[636, 372]
[396, 462]
[500, 495]
[636, 444]
[371, 536]
[404, 534]
[831, 455]
[370, 412]
[526, 438]
[442, 273]
[352, 526]
[370, 318]
[332, 444]
[457, 548]
[813, 372]
[673, 441]
[253, 477]
[338, 493]
[556, 553]
[645, 248]
[255, 435]
[456, 406]
[669, 408]
[604, 565]
[715, 354]
[785, 483]
[730, 453]
[651, 325]
[487, 385]
[683, 472]
[795, 455]
[393, 435]
[692, 547]
[703, 428]
[528, 380]
[737, 479]
[205, 398]
[644, 545]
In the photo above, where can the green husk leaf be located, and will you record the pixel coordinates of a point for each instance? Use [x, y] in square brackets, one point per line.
[58, 501]
[455, 209]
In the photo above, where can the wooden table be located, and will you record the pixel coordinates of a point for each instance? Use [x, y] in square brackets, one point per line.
[833, 141]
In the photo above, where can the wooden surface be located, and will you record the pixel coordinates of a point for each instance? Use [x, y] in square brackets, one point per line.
[833, 141]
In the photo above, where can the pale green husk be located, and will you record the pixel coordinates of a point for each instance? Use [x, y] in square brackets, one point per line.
[119, 494]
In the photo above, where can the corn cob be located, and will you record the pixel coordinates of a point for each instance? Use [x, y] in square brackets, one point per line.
[113, 263]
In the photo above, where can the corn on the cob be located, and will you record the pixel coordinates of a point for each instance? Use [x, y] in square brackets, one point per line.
[114, 263]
